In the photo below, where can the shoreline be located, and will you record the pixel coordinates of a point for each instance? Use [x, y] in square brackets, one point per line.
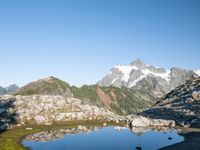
[12, 138]
[191, 140]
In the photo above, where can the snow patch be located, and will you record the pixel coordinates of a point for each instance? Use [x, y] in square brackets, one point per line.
[165, 75]
[126, 70]
[136, 81]
[113, 81]
[197, 72]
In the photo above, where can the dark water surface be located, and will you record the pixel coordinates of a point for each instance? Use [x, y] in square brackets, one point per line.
[108, 138]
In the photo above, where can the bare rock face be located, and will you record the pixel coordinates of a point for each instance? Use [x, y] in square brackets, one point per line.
[181, 104]
[139, 121]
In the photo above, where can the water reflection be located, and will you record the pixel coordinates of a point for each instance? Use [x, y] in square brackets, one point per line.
[56, 134]
[90, 138]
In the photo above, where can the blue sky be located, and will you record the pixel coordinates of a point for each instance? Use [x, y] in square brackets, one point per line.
[79, 41]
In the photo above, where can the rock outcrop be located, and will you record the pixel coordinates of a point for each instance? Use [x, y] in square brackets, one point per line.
[140, 121]
[41, 109]
[181, 104]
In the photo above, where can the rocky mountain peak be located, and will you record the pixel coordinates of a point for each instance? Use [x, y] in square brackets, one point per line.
[138, 73]
[139, 63]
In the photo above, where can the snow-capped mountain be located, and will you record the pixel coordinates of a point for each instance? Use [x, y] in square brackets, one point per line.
[197, 72]
[141, 76]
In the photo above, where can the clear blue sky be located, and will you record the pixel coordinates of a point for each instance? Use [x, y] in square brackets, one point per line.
[80, 40]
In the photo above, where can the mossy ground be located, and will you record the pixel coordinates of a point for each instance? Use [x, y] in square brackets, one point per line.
[11, 139]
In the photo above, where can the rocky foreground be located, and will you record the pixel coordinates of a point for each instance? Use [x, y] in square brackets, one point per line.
[38, 109]
[181, 105]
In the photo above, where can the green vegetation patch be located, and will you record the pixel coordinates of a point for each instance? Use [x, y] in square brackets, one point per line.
[87, 94]
[11, 139]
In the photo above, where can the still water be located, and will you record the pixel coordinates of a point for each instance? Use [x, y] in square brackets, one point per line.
[108, 138]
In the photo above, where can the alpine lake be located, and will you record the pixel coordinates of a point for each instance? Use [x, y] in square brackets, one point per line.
[89, 136]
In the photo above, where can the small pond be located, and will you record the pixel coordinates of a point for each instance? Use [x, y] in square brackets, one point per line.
[96, 138]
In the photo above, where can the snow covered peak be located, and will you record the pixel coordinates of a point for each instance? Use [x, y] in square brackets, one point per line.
[127, 72]
[139, 75]
[197, 72]
[138, 63]
[165, 75]
[147, 77]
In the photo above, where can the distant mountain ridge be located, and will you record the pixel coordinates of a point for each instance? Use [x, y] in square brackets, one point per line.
[9, 89]
[138, 75]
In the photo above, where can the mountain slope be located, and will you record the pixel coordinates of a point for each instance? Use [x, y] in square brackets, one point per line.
[181, 104]
[48, 86]
[158, 80]
[120, 100]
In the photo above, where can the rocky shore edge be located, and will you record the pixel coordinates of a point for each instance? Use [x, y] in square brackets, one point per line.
[191, 140]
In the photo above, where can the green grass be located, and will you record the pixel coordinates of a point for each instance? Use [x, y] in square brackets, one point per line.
[87, 94]
[29, 92]
[11, 139]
